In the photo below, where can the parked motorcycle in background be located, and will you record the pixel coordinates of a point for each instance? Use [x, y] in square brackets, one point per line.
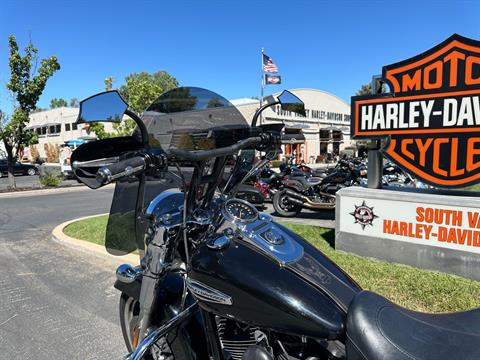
[301, 191]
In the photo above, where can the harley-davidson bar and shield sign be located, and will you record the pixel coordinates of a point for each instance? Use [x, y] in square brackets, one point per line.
[432, 116]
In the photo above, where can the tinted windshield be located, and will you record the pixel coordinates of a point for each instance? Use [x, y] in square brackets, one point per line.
[184, 118]
[191, 118]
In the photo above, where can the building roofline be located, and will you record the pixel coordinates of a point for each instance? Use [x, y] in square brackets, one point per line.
[316, 90]
[54, 109]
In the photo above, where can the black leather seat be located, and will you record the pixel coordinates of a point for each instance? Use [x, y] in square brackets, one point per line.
[378, 329]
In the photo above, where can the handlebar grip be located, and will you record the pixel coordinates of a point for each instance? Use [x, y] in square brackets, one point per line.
[107, 174]
[291, 139]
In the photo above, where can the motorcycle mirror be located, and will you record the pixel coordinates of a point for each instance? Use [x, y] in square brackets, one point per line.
[107, 106]
[291, 102]
[287, 101]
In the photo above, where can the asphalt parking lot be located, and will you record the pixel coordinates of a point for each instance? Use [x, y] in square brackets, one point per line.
[55, 302]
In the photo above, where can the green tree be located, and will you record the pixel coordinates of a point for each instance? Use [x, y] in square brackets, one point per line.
[26, 85]
[366, 89]
[108, 83]
[56, 103]
[73, 103]
[140, 89]
[38, 109]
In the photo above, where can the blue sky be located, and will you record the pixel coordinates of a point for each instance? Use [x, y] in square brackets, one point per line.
[334, 46]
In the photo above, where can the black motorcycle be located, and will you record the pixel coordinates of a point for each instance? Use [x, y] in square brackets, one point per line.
[217, 279]
[250, 189]
[301, 190]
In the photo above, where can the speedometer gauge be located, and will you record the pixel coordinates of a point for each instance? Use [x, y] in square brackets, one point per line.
[240, 211]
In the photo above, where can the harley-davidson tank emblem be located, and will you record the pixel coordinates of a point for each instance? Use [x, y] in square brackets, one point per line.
[432, 115]
[207, 293]
[363, 215]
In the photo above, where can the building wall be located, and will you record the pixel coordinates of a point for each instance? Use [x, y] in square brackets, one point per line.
[323, 111]
[56, 126]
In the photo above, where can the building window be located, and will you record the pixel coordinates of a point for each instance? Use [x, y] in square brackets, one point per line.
[44, 130]
[52, 129]
[58, 129]
[67, 127]
[74, 126]
[39, 131]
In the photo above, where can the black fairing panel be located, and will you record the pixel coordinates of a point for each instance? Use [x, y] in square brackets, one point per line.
[265, 294]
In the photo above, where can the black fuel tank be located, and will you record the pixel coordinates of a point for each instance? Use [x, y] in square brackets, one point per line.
[245, 284]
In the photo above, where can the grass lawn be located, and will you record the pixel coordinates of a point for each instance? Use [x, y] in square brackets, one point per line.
[92, 229]
[410, 287]
[475, 188]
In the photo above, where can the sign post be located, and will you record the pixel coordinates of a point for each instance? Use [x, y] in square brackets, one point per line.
[375, 157]
[430, 123]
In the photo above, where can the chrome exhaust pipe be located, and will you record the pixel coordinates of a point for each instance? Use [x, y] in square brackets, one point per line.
[299, 199]
[309, 204]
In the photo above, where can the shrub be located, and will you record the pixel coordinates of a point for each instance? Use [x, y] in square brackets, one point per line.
[52, 151]
[50, 179]
[34, 153]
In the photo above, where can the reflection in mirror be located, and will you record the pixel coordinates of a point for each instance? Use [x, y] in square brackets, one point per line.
[291, 102]
[107, 106]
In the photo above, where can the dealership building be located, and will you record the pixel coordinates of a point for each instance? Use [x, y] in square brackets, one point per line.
[56, 126]
[324, 130]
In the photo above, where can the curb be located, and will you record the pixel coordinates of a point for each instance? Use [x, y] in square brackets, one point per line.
[59, 190]
[87, 247]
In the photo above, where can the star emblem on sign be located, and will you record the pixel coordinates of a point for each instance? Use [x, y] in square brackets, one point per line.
[363, 215]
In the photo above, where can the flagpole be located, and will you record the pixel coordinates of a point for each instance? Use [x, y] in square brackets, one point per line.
[262, 85]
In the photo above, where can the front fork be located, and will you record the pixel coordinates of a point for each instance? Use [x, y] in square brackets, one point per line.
[155, 265]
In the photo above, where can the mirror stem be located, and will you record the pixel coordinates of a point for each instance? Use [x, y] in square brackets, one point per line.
[259, 111]
[141, 125]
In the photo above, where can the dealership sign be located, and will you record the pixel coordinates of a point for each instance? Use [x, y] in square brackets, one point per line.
[446, 226]
[432, 116]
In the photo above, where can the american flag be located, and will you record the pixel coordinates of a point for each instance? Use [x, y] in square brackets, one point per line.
[268, 65]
